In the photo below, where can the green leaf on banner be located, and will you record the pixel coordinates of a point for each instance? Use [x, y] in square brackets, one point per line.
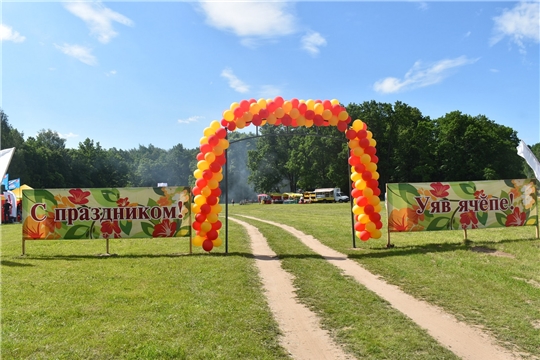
[501, 218]
[111, 195]
[77, 232]
[148, 228]
[439, 223]
[482, 217]
[465, 189]
[159, 191]
[126, 226]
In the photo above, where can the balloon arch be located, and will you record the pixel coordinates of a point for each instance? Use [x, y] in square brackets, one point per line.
[212, 157]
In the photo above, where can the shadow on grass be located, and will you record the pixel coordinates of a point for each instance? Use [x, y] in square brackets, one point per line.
[13, 263]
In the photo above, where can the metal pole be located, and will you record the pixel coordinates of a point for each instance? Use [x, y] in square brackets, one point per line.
[226, 198]
[107, 242]
[351, 201]
[23, 248]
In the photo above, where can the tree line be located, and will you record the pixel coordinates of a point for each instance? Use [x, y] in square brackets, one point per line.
[411, 147]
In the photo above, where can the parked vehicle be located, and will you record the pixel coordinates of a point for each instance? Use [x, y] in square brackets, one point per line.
[329, 195]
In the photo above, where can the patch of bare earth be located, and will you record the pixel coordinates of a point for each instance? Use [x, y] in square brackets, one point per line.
[303, 336]
[493, 252]
[465, 341]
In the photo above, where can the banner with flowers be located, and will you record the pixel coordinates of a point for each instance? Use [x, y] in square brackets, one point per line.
[461, 205]
[106, 213]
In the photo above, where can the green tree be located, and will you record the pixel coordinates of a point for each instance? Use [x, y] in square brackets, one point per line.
[11, 137]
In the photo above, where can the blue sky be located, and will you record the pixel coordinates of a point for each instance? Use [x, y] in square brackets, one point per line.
[126, 74]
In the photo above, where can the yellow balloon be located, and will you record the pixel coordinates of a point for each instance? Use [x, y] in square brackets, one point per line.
[318, 108]
[202, 165]
[309, 123]
[195, 208]
[358, 151]
[374, 200]
[217, 242]
[228, 115]
[206, 226]
[368, 192]
[357, 125]
[353, 144]
[369, 134]
[326, 114]
[218, 150]
[363, 218]
[197, 241]
[212, 218]
[333, 120]
[334, 102]
[223, 143]
[262, 103]
[216, 209]
[271, 119]
[377, 208]
[218, 176]
[372, 142]
[197, 174]
[233, 106]
[375, 175]
[209, 157]
[199, 200]
[254, 108]
[212, 184]
[360, 184]
[370, 227]
[310, 104]
[343, 115]
[205, 191]
[279, 112]
[295, 113]
[208, 132]
[371, 167]
[356, 176]
[246, 117]
[357, 210]
[215, 125]
[365, 159]
[376, 234]
[287, 106]
[300, 120]
[203, 140]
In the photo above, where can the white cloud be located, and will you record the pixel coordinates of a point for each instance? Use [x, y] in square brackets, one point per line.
[111, 73]
[98, 18]
[235, 83]
[420, 76]
[422, 5]
[79, 52]
[494, 70]
[7, 34]
[312, 41]
[190, 119]
[269, 91]
[250, 19]
[67, 136]
[520, 23]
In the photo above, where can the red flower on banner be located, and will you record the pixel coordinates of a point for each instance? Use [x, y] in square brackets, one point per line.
[78, 196]
[33, 229]
[468, 218]
[51, 224]
[439, 190]
[110, 228]
[164, 229]
[516, 218]
[398, 220]
[122, 202]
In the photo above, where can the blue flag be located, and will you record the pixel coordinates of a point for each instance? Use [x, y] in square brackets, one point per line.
[14, 184]
[5, 181]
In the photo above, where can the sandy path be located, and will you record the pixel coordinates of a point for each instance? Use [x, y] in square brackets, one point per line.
[302, 334]
[463, 340]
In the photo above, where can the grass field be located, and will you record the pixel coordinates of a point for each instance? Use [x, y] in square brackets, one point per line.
[152, 301]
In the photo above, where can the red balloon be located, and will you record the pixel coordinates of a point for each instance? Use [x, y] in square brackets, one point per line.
[196, 191]
[205, 148]
[201, 183]
[279, 101]
[302, 108]
[376, 191]
[336, 109]
[216, 225]
[342, 126]
[214, 167]
[370, 150]
[369, 209]
[252, 100]
[350, 134]
[286, 120]
[362, 201]
[200, 156]
[364, 143]
[364, 235]
[360, 168]
[295, 102]
[318, 101]
[238, 112]
[231, 126]
[349, 119]
[366, 175]
[361, 134]
[224, 122]
[372, 183]
[355, 193]
[221, 133]
[374, 159]
[207, 174]
[354, 160]
[205, 209]
[200, 218]
[208, 245]
[212, 235]
[263, 113]
[359, 226]
[211, 200]
[375, 217]
[196, 226]
[327, 105]
[256, 120]
[271, 106]
[310, 114]
[220, 159]
[378, 225]
[318, 120]
[216, 192]
[244, 105]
